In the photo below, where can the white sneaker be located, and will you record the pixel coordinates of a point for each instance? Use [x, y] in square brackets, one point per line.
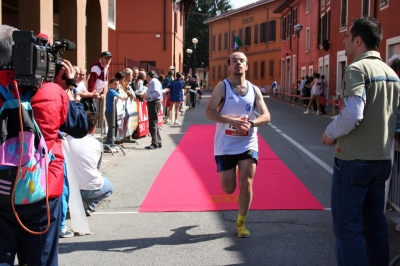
[306, 112]
[318, 113]
[177, 123]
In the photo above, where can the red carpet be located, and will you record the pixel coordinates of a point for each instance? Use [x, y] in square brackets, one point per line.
[189, 181]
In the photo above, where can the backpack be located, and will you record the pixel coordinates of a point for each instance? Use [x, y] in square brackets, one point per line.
[31, 162]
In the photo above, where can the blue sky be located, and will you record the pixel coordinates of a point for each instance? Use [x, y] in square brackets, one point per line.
[240, 3]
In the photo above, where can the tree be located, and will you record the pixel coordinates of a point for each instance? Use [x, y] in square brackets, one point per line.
[195, 28]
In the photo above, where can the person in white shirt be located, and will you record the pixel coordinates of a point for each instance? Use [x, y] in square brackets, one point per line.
[87, 153]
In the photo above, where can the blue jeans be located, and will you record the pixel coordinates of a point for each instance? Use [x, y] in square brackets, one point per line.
[359, 224]
[93, 197]
[64, 199]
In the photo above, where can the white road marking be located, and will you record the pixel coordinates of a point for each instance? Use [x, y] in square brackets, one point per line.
[102, 213]
[307, 152]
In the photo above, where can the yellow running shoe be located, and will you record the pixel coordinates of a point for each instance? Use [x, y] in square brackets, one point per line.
[241, 229]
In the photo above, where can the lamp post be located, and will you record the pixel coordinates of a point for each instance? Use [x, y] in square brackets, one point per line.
[189, 53]
[194, 41]
[297, 29]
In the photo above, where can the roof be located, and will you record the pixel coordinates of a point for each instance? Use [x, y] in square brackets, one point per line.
[282, 6]
[238, 10]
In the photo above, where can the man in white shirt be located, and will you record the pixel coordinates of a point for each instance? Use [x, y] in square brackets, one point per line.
[87, 153]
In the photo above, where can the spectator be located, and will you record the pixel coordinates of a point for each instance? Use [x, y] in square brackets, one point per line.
[274, 87]
[204, 84]
[194, 86]
[165, 83]
[315, 93]
[363, 135]
[99, 74]
[153, 97]
[112, 92]
[87, 153]
[263, 91]
[127, 83]
[53, 112]
[86, 97]
[135, 73]
[140, 87]
[176, 93]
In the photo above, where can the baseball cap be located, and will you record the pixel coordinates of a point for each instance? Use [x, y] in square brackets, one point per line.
[171, 68]
[106, 53]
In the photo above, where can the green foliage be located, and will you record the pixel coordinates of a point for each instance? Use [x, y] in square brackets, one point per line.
[195, 28]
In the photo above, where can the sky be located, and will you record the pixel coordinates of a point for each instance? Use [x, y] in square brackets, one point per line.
[240, 3]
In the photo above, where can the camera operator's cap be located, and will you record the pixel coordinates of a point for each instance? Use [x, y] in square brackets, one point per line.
[106, 53]
[171, 68]
[43, 36]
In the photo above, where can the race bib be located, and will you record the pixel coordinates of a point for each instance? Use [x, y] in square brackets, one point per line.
[232, 131]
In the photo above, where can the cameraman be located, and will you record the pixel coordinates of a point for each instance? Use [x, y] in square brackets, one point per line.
[53, 112]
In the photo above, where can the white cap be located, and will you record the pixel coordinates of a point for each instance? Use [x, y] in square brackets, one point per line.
[171, 68]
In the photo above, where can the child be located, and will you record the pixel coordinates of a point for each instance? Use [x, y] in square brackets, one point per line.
[112, 92]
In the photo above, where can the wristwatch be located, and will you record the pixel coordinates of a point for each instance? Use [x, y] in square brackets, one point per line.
[251, 122]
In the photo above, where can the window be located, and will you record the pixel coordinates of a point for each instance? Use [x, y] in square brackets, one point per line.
[283, 33]
[272, 31]
[322, 29]
[307, 39]
[219, 72]
[219, 41]
[111, 13]
[247, 34]
[343, 14]
[322, 3]
[289, 25]
[384, 3]
[294, 18]
[262, 69]
[308, 5]
[213, 73]
[271, 68]
[263, 32]
[213, 43]
[241, 34]
[225, 71]
[255, 70]
[328, 25]
[365, 8]
[256, 34]
[225, 41]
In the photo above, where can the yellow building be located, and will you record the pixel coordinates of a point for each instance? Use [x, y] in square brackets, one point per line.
[257, 25]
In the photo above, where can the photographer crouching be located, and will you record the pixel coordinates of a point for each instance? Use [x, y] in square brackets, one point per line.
[53, 111]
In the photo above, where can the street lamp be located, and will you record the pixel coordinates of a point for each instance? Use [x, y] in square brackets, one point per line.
[194, 41]
[297, 29]
[189, 52]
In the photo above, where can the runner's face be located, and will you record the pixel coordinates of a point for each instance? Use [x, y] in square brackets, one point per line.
[238, 64]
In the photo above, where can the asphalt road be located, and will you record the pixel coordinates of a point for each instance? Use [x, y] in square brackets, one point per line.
[121, 236]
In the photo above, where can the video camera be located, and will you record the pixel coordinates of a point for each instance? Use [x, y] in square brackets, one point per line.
[35, 60]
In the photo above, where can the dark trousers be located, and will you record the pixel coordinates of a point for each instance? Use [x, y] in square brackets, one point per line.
[153, 108]
[192, 99]
[110, 133]
[35, 249]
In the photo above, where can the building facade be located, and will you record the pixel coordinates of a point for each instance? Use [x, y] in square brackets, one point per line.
[314, 32]
[84, 22]
[150, 32]
[257, 26]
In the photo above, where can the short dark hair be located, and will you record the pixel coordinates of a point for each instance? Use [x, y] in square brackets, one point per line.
[396, 65]
[170, 73]
[92, 120]
[178, 75]
[369, 30]
[161, 77]
[112, 80]
[119, 75]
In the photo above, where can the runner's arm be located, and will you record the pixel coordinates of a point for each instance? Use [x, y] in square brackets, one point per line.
[265, 116]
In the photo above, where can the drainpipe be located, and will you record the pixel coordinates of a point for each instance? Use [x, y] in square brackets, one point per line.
[165, 25]
[229, 35]
[266, 8]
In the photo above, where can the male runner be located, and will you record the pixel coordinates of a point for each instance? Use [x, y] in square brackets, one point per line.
[235, 145]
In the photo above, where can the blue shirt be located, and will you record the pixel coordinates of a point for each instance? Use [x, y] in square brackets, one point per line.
[176, 87]
[110, 99]
[155, 90]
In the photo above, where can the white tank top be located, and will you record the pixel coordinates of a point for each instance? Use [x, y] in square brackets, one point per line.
[227, 141]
